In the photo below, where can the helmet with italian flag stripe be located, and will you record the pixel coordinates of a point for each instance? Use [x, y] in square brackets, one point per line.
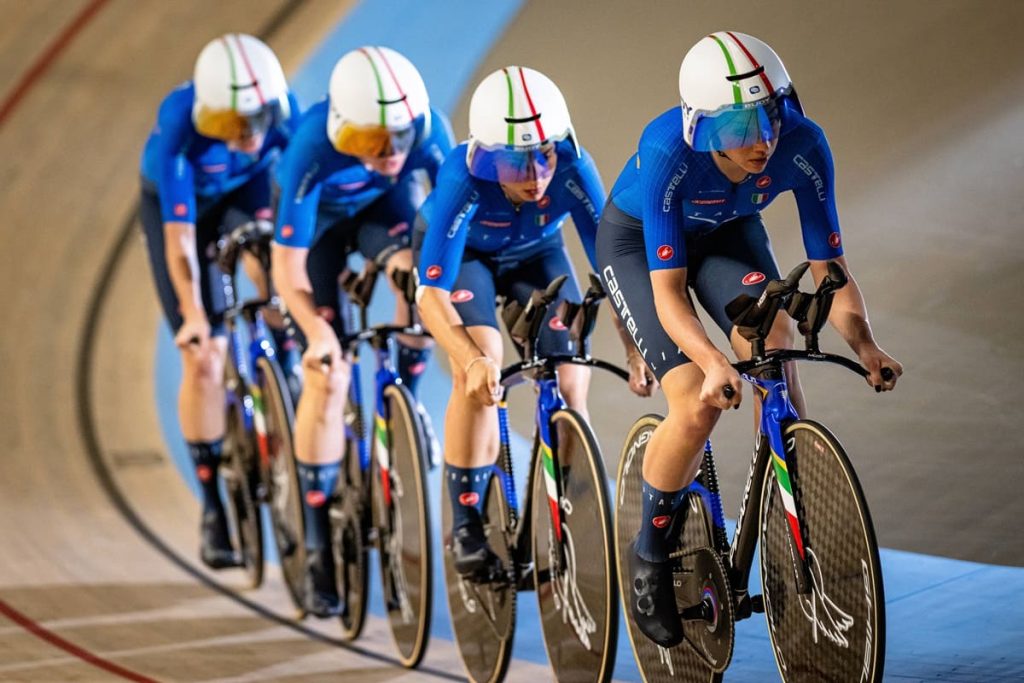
[240, 88]
[735, 91]
[515, 117]
[376, 98]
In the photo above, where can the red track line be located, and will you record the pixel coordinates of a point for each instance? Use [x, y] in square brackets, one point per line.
[47, 58]
[69, 647]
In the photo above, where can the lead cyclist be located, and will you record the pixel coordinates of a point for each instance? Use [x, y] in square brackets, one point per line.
[685, 214]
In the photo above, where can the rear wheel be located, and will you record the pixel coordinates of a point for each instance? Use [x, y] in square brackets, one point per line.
[241, 480]
[483, 614]
[281, 480]
[657, 664]
[573, 568]
[401, 517]
[836, 631]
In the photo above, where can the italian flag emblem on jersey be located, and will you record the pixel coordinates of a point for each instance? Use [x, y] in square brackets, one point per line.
[759, 197]
[542, 219]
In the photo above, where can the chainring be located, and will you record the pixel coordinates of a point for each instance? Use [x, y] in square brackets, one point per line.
[702, 586]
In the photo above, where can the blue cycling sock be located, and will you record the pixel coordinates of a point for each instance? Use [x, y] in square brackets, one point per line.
[411, 364]
[317, 483]
[467, 488]
[206, 457]
[657, 531]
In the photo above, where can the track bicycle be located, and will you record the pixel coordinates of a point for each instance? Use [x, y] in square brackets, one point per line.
[821, 579]
[561, 544]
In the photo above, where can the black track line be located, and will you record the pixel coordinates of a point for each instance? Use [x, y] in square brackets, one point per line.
[90, 436]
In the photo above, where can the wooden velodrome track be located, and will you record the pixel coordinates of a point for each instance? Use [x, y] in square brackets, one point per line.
[924, 107]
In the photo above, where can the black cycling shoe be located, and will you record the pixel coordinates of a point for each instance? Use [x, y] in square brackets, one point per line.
[320, 592]
[215, 548]
[472, 556]
[654, 600]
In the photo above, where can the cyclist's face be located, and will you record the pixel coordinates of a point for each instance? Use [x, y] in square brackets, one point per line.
[753, 158]
[386, 166]
[249, 144]
[533, 189]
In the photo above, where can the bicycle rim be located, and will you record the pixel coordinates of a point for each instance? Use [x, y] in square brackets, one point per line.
[281, 478]
[240, 480]
[657, 664]
[574, 576]
[837, 631]
[404, 537]
[483, 615]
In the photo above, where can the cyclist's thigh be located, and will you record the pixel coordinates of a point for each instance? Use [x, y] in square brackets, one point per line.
[627, 280]
[536, 272]
[735, 259]
[473, 293]
[386, 225]
[326, 260]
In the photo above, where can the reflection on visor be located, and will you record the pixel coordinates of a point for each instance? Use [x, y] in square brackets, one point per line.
[374, 141]
[733, 128]
[501, 164]
[230, 125]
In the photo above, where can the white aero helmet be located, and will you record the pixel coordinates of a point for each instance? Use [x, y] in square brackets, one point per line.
[240, 88]
[376, 97]
[515, 116]
[735, 91]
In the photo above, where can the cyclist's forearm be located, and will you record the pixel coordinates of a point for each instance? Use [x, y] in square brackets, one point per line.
[183, 266]
[288, 271]
[446, 326]
[849, 313]
[680, 321]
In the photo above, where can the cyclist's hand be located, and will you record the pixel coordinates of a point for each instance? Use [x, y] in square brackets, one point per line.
[483, 381]
[321, 346]
[875, 360]
[716, 379]
[641, 380]
[194, 335]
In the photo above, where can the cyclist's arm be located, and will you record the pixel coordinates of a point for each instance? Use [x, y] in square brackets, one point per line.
[588, 192]
[446, 326]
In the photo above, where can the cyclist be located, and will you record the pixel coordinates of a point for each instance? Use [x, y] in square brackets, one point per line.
[493, 227]
[360, 165]
[685, 212]
[205, 170]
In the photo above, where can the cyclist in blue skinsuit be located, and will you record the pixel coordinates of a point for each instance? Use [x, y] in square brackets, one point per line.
[685, 213]
[358, 169]
[493, 227]
[205, 170]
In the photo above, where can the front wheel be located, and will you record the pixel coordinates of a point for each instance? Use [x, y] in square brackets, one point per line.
[573, 567]
[836, 629]
[657, 664]
[402, 519]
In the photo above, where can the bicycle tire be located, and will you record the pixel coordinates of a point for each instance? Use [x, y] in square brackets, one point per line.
[485, 660]
[848, 642]
[281, 479]
[241, 479]
[574, 578]
[403, 527]
[656, 664]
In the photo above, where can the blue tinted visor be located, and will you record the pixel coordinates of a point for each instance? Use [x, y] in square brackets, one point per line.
[505, 164]
[746, 124]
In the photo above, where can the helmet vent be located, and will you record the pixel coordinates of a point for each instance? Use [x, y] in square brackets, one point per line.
[394, 101]
[528, 119]
[750, 74]
[243, 86]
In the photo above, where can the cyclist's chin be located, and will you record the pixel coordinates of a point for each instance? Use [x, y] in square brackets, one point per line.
[249, 145]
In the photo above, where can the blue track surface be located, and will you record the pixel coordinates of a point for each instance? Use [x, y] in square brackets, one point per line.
[947, 620]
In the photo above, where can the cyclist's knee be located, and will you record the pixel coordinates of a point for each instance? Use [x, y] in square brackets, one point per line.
[205, 369]
[574, 383]
[782, 333]
[331, 385]
[400, 260]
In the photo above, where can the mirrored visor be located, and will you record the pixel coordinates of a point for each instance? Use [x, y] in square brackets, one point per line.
[739, 126]
[374, 141]
[230, 125]
[504, 164]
